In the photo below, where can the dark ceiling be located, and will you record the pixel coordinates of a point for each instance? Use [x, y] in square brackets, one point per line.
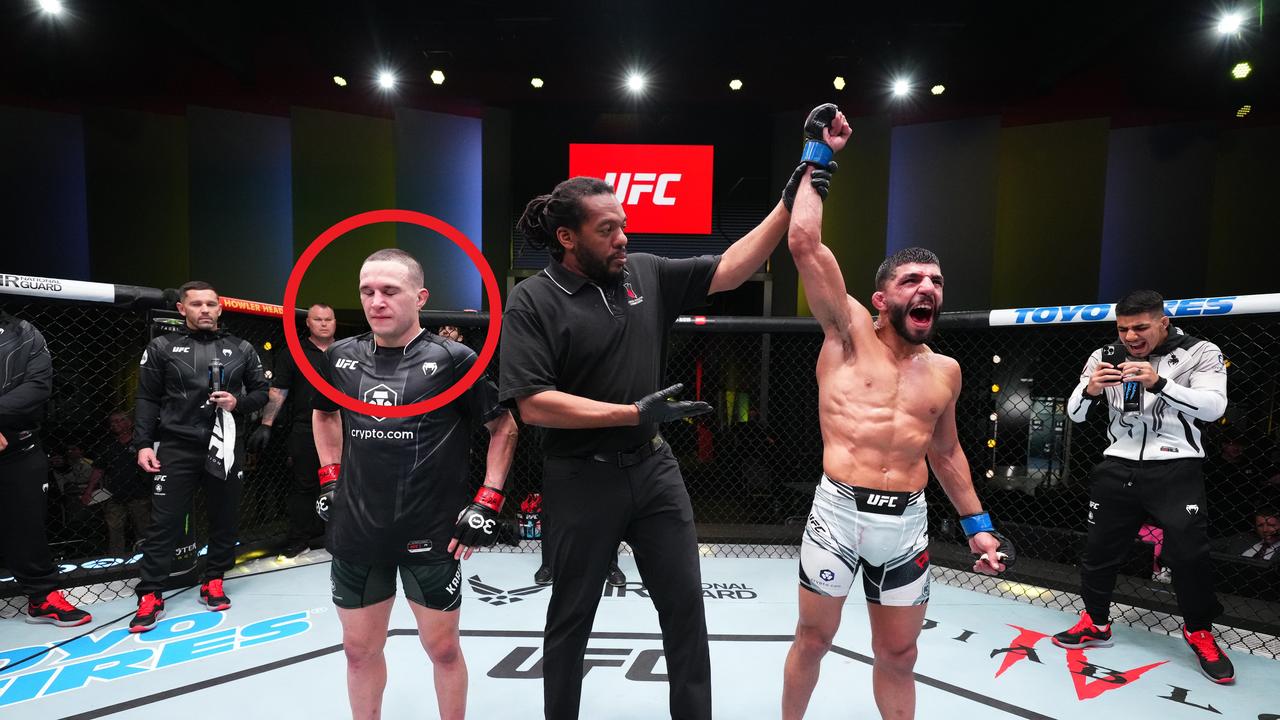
[1145, 60]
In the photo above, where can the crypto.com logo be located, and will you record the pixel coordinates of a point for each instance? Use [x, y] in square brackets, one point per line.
[662, 188]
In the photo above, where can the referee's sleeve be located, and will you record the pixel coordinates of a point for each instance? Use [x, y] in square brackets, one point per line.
[526, 365]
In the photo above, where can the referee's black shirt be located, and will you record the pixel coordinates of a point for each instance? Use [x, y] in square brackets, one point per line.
[561, 331]
[289, 377]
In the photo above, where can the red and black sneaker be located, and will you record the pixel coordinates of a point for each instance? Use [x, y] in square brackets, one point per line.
[1084, 634]
[1213, 662]
[55, 610]
[150, 609]
[212, 597]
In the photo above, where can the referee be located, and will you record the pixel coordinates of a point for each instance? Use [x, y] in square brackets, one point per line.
[189, 385]
[583, 351]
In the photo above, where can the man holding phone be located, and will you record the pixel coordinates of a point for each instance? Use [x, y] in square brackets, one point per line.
[1158, 384]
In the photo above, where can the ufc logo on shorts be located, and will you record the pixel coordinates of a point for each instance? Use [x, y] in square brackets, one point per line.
[641, 184]
[346, 364]
[875, 500]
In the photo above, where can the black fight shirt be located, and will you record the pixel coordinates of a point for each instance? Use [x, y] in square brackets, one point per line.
[403, 480]
[563, 332]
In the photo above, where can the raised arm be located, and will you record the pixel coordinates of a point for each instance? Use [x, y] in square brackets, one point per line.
[751, 251]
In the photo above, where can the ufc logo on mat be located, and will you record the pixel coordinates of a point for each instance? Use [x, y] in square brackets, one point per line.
[640, 184]
[662, 188]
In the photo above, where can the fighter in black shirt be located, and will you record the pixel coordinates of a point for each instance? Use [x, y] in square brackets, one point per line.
[393, 500]
[176, 439]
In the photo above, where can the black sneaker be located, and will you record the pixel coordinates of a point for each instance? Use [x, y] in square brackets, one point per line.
[543, 576]
[1084, 634]
[150, 610]
[1213, 662]
[55, 610]
[212, 596]
[616, 577]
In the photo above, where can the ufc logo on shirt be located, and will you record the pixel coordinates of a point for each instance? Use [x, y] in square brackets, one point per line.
[346, 364]
[181, 349]
[662, 188]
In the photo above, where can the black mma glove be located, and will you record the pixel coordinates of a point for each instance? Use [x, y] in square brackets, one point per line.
[816, 151]
[258, 439]
[477, 523]
[981, 523]
[820, 180]
[328, 485]
[656, 408]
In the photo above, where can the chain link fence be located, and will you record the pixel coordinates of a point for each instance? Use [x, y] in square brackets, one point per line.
[751, 466]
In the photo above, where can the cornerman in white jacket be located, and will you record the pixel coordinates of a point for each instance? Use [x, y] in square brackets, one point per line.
[1154, 466]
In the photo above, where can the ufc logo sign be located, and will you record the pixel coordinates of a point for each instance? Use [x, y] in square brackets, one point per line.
[662, 188]
[346, 364]
[887, 501]
[640, 184]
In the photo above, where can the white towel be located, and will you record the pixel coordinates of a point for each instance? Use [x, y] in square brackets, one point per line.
[222, 445]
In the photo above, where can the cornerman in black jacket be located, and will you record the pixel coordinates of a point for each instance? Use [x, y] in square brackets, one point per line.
[190, 383]
[26, 379]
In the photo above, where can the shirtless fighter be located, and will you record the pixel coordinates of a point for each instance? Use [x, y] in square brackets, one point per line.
[885, 404]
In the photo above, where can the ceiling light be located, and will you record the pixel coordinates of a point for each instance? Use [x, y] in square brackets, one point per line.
[53, 7]
[339, 81]
[735, 84]
[938, 89]
[536, 82]
[1241, 70]
[1230, 23]
[636, 83]
[386, 80]
[901, 88]
[437, 77]
[838, 82]
[1244, 110]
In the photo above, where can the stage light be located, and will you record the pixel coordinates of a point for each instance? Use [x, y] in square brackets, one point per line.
[1230, 23]
[735, 84]
[995, 359]
[991, 442]
[437, 77]
[938, 89]
[991, 473]
[901, 88]
[1244, 110]
[838, 82]
[636, 83]
[536, 82]
[53, 7]
[386, 80]
[995, 388]
[339, 81]
[994, 417]
[1241, 70]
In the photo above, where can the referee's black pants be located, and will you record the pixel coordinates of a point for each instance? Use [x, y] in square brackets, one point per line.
[1121, 495]
[593, 505]
[24, 477]
[182, 469]
[300, 504]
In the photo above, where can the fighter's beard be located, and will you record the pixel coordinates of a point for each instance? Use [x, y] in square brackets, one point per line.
[898, 318]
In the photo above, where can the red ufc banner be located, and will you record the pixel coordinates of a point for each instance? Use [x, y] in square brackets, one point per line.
[662, 188]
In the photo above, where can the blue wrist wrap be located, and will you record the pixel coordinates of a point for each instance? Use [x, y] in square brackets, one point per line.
[817, 153]
[976, 523]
